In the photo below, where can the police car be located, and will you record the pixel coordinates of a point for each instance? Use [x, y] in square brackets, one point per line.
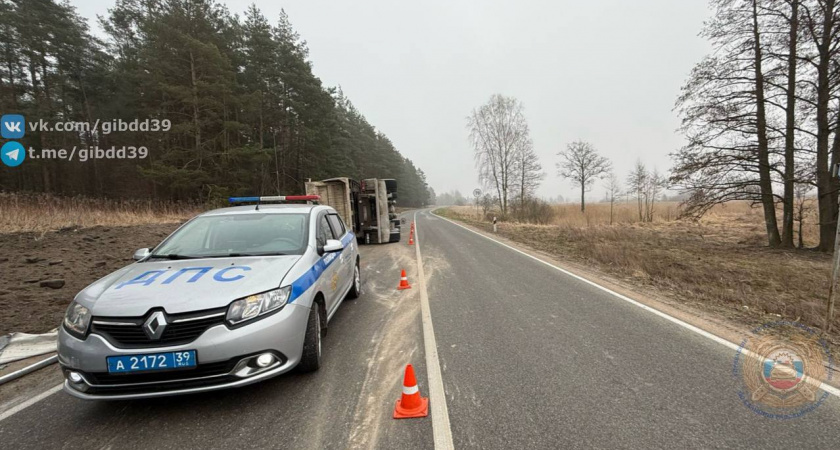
[232, 297]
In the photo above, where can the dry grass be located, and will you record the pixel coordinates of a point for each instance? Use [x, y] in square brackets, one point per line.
[747, 219]
[42, 213]
[720, 261]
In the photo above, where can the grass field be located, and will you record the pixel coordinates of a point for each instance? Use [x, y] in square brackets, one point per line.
[721, 261]
[42, 213]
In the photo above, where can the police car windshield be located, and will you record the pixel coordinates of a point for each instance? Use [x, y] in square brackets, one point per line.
[237, 235]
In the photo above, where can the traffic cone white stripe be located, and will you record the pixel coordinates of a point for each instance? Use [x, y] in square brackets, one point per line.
[410, 390]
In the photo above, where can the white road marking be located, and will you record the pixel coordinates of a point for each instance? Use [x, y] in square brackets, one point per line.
[827, 388]
[441, 429]
[18, 408]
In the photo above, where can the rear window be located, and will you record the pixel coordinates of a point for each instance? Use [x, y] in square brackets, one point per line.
[324, 231]
[337, 225]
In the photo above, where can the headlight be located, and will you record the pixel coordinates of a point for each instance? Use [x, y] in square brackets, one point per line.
[257, 305]
[76, 320]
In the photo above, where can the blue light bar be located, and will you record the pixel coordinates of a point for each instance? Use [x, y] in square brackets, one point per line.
[275, 198]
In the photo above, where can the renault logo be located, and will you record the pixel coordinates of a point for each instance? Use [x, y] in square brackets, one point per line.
[155, 325]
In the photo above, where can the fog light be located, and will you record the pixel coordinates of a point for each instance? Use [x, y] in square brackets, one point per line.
[265, 360]
[74, 377]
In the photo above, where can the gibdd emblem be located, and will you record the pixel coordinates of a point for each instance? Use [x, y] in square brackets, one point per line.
[780, 376]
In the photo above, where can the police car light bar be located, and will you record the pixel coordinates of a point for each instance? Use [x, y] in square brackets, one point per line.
[275, 198]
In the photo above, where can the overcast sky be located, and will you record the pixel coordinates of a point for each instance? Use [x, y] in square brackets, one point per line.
[605, 71]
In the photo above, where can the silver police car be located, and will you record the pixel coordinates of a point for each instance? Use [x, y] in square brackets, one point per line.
[232, 297]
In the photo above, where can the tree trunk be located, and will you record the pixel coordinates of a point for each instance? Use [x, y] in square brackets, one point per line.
[826, 187]
[639, 205]
[196, 123]
[801, 244]
[790, 123]
[12, 85]
[765, 181]
[582, 199]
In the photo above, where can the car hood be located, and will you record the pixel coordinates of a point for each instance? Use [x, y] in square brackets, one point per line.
[183, 286]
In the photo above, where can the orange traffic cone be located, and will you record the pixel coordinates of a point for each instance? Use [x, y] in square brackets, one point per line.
[403, 282]
[411, 404]
[411, 239]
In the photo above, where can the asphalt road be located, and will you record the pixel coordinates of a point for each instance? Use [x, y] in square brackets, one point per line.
[529, 357]
[348, 403]
[535, 358]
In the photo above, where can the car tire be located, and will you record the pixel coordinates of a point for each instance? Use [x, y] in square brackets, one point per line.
[356, 289]
[310, 360]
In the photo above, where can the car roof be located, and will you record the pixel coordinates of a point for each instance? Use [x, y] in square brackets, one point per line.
[268, 209]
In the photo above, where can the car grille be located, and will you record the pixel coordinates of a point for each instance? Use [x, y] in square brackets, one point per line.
[128, 332]
[202, 370]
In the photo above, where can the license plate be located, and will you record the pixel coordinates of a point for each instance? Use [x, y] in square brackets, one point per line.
[151, 361]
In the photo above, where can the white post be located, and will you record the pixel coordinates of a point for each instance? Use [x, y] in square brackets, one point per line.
[494, 224]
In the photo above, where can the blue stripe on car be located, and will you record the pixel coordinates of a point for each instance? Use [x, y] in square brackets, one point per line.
[305, 281]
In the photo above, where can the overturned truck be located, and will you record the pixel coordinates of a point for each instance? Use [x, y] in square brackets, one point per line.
[368, 206]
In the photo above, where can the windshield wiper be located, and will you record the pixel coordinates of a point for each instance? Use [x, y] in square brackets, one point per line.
[173, 256]
[234, 255]
[225, 255]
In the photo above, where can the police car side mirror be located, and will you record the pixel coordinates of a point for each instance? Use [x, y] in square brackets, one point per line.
[141, 253]
[333, 245]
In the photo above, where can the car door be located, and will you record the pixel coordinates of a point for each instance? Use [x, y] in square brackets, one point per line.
[347, 264]
[330, 279]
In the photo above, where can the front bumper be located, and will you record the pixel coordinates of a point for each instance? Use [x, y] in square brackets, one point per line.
[222, 355]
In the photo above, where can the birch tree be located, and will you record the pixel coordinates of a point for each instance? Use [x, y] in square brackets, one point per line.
[501, 141]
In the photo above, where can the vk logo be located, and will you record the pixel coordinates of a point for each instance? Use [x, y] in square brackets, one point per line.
[12, 154]
[12, 126]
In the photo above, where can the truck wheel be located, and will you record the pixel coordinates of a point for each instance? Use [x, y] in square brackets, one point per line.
[310, 361]
[356, 290]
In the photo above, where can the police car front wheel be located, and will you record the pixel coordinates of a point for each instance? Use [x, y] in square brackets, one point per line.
[356, 290]
[310, 360]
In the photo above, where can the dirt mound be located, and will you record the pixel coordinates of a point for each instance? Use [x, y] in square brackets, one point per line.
[33, 266]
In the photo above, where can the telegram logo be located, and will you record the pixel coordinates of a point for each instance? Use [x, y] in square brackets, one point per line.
[12, 154]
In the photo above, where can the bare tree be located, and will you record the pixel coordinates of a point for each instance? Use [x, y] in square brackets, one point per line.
[725, 118]
[791, 18]
[801, 208]
[499, 135]
[821, 21]
[529, 175]
[613, 192]
[647, 186]
[487, 201]
[764, 106]
[529, 171]
[654, 184]
[581, 164]
[636, 182]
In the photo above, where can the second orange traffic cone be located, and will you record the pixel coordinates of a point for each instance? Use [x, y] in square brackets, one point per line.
[411, 404]
[411, 239]
[403, 281]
